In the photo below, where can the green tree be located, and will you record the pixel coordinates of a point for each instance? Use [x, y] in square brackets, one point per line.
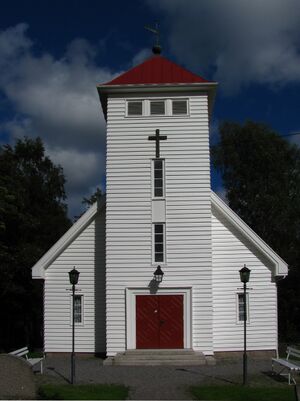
[33, 216]
[261, 175]
[93, 198]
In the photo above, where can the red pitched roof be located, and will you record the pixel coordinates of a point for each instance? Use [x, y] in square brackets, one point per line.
[157, 70]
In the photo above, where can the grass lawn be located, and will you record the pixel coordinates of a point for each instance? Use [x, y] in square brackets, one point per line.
[35, 354]
[82, 392]
[241, 393]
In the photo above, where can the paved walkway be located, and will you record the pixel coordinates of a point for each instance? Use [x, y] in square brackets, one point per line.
[156, 382]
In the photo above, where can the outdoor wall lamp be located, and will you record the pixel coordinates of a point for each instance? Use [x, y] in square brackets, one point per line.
[158, 274]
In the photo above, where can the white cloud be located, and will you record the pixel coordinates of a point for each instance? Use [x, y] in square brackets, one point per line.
[78, 165]
[57, 100]
[141, 56]
[242, 41]
[222, 193]
[83, 171]
[294, 137]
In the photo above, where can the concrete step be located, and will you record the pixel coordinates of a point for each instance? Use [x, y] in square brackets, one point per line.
[158, 357]
[183, 362]
[160, 352]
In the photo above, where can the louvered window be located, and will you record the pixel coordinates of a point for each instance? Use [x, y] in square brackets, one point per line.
[157, 107]
[135, 108]
[159, 242]
[179, 107]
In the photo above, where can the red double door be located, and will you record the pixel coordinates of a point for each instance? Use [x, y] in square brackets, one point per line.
[159, 321]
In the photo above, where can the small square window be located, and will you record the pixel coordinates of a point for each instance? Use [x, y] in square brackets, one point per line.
[135, 108]
[179, 107]
[157, 107]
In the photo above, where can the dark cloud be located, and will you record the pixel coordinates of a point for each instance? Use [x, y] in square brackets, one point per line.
[242, 42]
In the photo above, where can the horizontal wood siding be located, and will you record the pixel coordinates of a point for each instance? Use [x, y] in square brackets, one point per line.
[87, 254]
[230, 253]
[188, 220]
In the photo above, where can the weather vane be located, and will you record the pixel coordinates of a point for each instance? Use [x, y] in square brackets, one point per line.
[157, 47]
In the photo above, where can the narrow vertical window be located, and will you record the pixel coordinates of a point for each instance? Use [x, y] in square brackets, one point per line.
[158, 178]
[78, 308]
[159, 242]
[241, 314]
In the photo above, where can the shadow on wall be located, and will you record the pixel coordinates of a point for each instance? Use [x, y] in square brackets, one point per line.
[100, 301]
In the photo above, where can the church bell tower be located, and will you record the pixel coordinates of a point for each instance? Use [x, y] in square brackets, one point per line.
[158, 208]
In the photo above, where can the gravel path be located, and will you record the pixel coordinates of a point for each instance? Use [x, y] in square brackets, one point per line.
[156, 382]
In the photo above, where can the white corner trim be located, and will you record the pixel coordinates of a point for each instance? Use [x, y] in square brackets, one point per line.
[38, 270]
[281, 267]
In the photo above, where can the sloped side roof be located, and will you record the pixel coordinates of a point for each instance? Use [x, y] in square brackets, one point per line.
[157, 70]
[281, 267]
[38, 270]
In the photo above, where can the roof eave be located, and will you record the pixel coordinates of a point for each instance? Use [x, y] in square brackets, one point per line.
[209, 87]
[281, 267]
[38, 270]
[154, 87]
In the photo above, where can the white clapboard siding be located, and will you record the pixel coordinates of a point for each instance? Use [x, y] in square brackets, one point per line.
[230, 253]
[87, 254]
[188, 215]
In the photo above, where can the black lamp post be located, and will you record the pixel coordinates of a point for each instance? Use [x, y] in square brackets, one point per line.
[158, 274]
[73, 276]
[245, 275]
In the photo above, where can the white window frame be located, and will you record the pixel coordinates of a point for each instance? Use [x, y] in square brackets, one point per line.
[238, 321]
[153, 179]
[187, 107]
[135, 115]
[82, 310]
[146, 107]
[164, 244]
[165, 107]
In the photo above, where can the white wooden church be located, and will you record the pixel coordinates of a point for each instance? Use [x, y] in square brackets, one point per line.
[160, 215]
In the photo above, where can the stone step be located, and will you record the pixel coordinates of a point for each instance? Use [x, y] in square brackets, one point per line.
[186, 351]
[134, 362]
[159, 357]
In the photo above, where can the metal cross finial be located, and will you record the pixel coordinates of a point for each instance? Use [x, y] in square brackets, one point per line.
[157, 47]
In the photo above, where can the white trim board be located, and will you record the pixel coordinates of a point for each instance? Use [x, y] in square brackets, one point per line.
[38, 270]
[131, 312]
[281, 267]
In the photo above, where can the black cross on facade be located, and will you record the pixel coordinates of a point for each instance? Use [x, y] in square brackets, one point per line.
[157, 138]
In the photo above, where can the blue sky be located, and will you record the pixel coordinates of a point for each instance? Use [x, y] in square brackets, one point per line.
[53, 53]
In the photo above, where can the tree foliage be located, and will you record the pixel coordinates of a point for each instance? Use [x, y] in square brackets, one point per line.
[33, 216]
[93, 198]
[261, 175]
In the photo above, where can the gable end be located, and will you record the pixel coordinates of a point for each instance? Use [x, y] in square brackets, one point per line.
[38, 270]
[219, 206]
